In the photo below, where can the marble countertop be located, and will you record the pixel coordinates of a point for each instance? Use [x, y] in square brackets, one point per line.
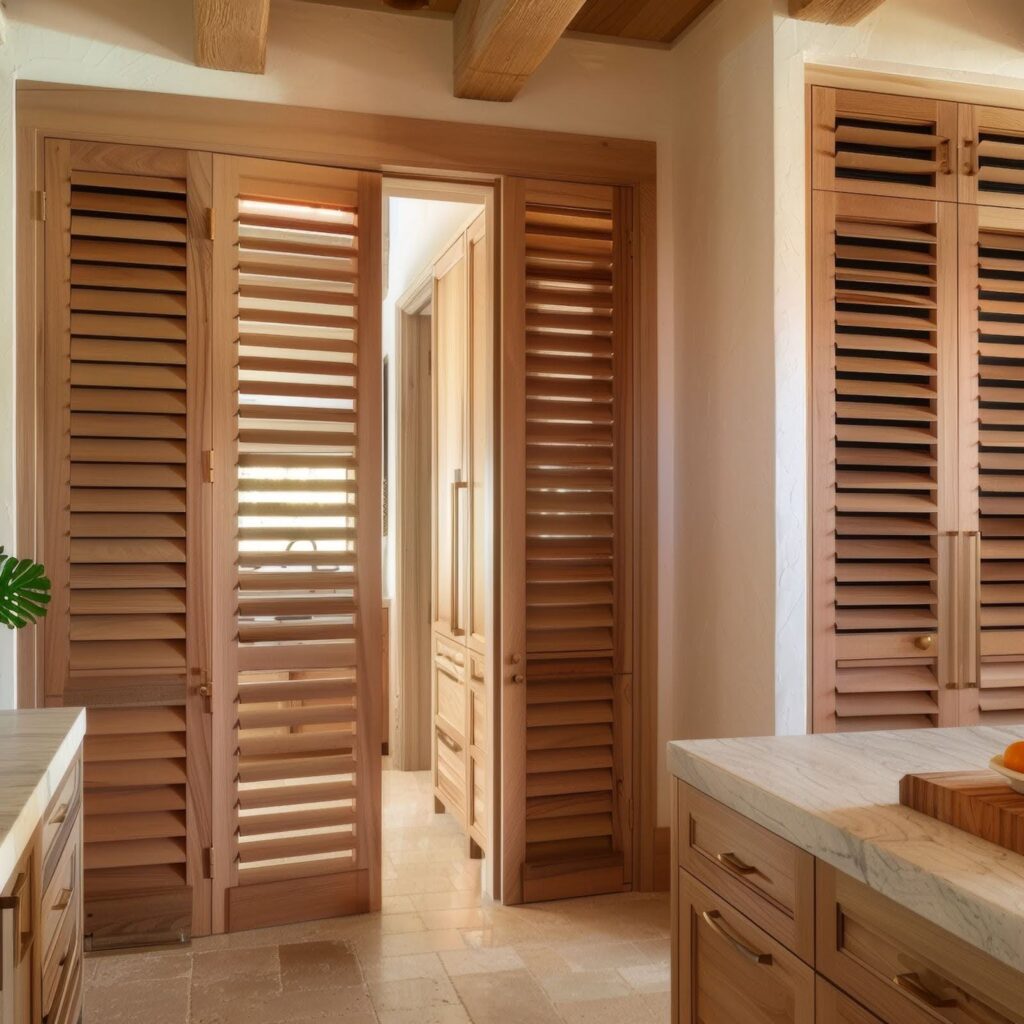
[837, 796]
[36, 750]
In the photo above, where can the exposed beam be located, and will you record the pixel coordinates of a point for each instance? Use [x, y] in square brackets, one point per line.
[500, 43]
[834, 12]
[231, 35]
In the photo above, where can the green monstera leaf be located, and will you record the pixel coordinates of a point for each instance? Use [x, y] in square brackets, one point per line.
[24, 591]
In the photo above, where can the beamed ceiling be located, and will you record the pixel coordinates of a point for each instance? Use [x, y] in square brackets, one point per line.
[498, 43]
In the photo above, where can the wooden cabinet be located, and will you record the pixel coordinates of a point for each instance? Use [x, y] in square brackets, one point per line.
[764, 932]
[42, 918]
[917, 366]
[462, 398]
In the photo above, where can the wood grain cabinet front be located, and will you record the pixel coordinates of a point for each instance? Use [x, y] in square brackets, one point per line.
[831, 1006]
[731, 971]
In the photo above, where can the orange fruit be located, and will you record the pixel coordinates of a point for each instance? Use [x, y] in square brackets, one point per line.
[1013, 757]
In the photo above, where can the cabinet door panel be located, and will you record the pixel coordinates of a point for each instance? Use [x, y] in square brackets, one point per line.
[834, 1007]
[991, 156]
[884, 464]
[732, 972]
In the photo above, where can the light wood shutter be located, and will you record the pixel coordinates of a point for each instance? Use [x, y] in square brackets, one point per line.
[297, 476]
[124, 364]
[992, 156]
[992, 464]
[566, 544]
[884, 145]
[884, 393]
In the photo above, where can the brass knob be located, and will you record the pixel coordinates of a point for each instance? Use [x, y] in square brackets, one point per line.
[204, 690]
[518, 678]
[922, 643]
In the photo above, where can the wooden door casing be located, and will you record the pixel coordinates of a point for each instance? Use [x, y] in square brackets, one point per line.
[125, 538]
[566, 657]
[297, 653]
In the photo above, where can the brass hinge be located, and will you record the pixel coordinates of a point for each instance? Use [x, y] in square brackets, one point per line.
[209, 862]
[208, 466]
[209, 224]
[40, 205]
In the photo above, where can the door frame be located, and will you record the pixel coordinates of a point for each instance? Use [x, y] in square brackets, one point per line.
[398, 147]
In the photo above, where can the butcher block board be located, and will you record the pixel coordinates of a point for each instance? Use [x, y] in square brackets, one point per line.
[981, 803]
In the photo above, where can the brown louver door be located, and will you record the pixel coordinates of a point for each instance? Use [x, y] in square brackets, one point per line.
[567, 564]
[884, 473]
[884, 145]
[991, 156]
[297, 482]
[992, 464]
[124, 370]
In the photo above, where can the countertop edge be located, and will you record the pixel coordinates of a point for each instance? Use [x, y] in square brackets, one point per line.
[997, 932]
[17, 838]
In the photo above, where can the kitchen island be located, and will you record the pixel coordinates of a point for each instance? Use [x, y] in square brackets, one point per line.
[804, 892]
[41, 919]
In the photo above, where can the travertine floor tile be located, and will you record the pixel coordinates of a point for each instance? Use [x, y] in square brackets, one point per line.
[482, 961]
[312, 965]
[580, 986]
[412, 993]
[129, 1002]
[623, 1010]
[507, 997]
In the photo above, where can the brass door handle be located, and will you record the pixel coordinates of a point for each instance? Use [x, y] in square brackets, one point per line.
[734, 864]
[911, 983]
[713, 919]
[924, 643]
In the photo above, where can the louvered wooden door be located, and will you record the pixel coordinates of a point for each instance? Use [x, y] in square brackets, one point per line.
[992, 465]
[125, 372]
[991, 156]
[884, 476]
[566, 658]
[297, 479]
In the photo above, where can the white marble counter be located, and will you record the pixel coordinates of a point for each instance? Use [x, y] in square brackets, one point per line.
[36, 750]
[837, 796]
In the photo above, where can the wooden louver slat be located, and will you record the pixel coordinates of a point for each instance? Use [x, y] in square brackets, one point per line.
[881, 458]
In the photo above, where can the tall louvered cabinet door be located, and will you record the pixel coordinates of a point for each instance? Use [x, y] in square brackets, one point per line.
[884, 395]
[991, 156]
[992, 465]
[124, 430]
[297, 512]
[884, 145]
[567, 566]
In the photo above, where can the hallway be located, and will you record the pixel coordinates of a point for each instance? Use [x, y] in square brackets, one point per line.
[437, 954]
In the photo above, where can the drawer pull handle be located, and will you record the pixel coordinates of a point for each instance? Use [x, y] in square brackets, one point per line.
[63, 899]
[448, 741]
[61, 815]
[912, 983]
[734, 864]
[713, 920]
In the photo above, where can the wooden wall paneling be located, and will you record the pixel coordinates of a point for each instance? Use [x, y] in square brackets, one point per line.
[302, 433]
[231, 35]
[884, 491]
[991, 407]
[991, 156]
[124, 333]
[884, 145]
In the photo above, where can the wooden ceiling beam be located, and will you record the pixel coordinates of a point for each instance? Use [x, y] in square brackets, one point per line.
[500, 43]
[231, 35]
[833, 12]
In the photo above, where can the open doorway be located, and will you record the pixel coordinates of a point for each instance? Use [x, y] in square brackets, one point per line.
[438, 558]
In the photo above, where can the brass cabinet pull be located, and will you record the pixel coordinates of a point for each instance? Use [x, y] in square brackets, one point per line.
[713, 919]
[924, 643]
[63, 899]
[458, 484]
[734, 864]
[911, 984]
[971, 675]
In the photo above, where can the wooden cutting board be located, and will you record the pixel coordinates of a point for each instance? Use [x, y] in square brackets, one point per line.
[981, 803]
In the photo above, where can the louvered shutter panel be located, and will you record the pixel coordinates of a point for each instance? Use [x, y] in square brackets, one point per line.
[884, 145]
[297, 442]
[992, 156]
[123, 534]
[567, 651]
[884, 363]
[992, 464]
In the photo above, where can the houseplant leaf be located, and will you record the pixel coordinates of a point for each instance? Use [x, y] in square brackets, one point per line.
[24, 591]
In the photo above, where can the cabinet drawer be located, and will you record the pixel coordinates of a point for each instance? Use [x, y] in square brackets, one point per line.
[732, 972]
[768, 879]
[58, 964]
[834, 1007]
[61, 895]
[903, 967]
[450, 779]
[59, 815]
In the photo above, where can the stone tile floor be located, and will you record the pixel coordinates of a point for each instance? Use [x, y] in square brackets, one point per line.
[437, 954]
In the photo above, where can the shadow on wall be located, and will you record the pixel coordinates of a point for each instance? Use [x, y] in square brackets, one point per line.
[159, 27]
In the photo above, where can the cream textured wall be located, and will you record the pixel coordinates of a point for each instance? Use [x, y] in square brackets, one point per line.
[350, 60]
